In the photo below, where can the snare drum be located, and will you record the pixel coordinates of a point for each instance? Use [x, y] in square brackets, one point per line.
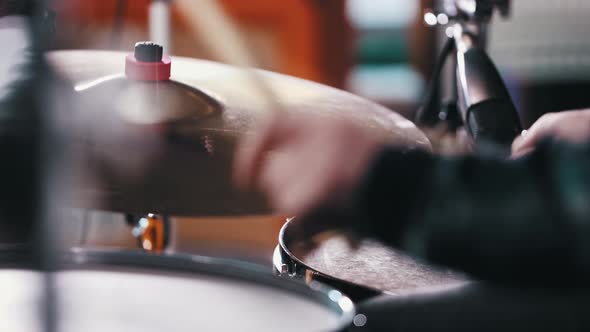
[361, 273]
[136, 292]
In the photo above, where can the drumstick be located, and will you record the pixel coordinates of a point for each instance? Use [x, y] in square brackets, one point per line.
[210, 24]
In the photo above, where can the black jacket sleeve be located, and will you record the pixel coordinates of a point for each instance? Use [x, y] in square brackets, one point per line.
[504, 221]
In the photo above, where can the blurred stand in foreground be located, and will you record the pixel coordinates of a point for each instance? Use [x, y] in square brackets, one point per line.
[19, 124]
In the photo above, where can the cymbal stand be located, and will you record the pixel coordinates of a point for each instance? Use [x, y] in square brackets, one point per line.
[153, 231]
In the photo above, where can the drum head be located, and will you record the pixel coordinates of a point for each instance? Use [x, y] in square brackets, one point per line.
[372, 264]
[151, 294]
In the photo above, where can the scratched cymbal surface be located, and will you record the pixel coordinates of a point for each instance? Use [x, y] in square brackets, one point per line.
[206, 108]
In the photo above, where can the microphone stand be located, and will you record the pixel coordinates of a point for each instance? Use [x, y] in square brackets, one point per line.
[484, 105]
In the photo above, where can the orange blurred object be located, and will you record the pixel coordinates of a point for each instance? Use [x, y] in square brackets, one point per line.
[150, 233]
[311, 39]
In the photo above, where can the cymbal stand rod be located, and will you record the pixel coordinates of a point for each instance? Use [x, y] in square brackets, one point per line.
[159, 23]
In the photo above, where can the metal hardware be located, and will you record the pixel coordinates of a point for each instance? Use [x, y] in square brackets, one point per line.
[160, 23]
[486, 108]
[151, 232]
[473, 16]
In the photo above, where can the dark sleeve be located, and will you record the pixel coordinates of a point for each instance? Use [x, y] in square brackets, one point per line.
[505, 221]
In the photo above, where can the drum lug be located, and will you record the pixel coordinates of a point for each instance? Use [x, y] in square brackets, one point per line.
[293, 272]
[284, 269]
[281, 265]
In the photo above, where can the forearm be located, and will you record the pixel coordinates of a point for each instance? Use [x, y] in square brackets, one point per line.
[496, 220]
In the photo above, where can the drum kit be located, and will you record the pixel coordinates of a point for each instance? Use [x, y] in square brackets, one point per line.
[182, 124]
[195, 120]
[154, 137]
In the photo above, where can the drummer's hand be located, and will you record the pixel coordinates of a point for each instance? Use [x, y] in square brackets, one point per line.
[304, 163]
[570, 126]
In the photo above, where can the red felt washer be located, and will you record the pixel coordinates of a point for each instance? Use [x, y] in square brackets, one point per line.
[148, 71]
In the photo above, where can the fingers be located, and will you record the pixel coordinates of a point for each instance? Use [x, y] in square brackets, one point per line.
[528, 140]
[252, 150]
[276, 178]
[518, 144]
[320, 225]
[521, 153]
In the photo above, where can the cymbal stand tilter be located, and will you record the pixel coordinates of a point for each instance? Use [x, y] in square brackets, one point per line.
[482, 103]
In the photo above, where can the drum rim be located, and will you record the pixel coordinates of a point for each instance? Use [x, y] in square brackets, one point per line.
[284, 247]
[78, 259]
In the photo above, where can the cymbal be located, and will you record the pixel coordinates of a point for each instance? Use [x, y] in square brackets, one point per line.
[185, 131]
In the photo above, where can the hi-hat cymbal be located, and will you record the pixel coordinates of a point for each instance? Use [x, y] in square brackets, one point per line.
[188, 128]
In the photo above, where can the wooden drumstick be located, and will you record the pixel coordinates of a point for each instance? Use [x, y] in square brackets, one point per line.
[211, 25]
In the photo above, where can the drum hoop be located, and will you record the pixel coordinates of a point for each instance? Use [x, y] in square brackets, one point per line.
[369, 291]
[286, 250]
[91, 259]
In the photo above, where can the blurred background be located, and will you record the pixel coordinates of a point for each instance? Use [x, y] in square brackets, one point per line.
[379, 49]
